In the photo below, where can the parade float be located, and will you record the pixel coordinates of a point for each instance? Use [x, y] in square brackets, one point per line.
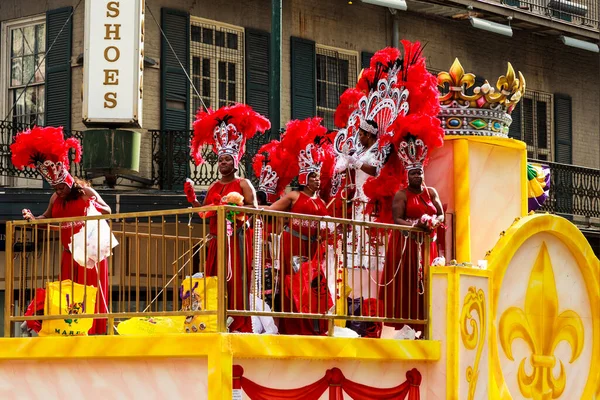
[514, 313]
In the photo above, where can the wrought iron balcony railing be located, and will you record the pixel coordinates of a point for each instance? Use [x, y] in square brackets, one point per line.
[574, 190]
[576, 12]
[172, 163]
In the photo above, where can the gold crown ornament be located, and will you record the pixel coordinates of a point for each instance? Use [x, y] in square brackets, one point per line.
[487, 111]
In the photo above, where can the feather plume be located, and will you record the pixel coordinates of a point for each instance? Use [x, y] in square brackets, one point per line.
[41, 144]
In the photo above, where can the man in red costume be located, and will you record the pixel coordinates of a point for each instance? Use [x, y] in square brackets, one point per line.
[301, 243]
[227, 130]
[48, 151]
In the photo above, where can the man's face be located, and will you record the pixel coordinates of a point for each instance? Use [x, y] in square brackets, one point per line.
[415, 177]
[226, 165]
[62, 190]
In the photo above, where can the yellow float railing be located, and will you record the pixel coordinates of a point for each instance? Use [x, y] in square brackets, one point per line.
[322, 260]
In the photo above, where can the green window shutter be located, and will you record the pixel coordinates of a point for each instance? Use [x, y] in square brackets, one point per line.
[365, 59]
[175, 98]
[514, 131]
[58, 68]
[257, 52]
[563, 129]
[304, 79]
[257, 70]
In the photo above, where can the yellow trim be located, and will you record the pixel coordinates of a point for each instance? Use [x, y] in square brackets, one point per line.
[589, 266]
[216, 344]
[314, 347]
[524, 184]
[493, 140]
[462, 200]
[469, 271]
[452, 330]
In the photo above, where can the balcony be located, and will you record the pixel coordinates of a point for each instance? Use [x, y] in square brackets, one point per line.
[574, 193]
[574, 190]
[546, 17]
[582, 13]
[170, 272]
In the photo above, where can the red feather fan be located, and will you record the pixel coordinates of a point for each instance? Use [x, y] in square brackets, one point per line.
[384, 57]
[327, 170]
[278, 159]
[348, 103]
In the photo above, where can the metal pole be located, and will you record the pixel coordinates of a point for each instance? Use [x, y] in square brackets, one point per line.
[275, 73]
[221, 271]
[395, 29]
[8, 288]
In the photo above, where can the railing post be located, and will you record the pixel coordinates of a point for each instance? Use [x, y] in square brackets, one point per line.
[427, 284]
[8, 279]
[222, 276]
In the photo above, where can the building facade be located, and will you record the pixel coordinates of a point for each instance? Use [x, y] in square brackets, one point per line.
[226, 50]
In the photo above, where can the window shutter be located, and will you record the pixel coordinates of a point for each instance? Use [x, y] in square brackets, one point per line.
[563, 129]
[175, 88]
[175, 97]
[58, 68]
[257, 70]
[304, 80]
[257, 87]
[365, 59]
[514, 131]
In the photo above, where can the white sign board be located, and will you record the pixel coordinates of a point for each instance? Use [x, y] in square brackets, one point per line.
[113, 64]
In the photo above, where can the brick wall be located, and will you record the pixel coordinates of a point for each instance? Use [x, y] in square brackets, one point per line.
[547, 64]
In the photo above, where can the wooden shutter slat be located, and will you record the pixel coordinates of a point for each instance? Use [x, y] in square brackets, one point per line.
[258, 61]
[175, 98]
[304, 87]
[58, 68]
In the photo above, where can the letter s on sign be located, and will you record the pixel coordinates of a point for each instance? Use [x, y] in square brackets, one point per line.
[110, 100]
[113, 9]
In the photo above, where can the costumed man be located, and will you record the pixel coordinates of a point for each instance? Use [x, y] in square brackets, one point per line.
[304, 285]
[46, 150]
[227, 131]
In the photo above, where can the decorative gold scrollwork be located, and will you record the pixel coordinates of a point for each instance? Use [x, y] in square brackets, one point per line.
[542, 329]
[474, 337]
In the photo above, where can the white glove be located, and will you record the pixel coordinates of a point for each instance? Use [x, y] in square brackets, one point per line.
[355, 162]
[341, 163]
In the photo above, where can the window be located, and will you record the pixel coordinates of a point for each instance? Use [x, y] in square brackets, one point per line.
[532, 123]
[336, 71]
[217, 64]
[25, 71]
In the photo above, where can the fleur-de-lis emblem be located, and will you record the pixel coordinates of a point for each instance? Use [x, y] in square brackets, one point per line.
[457, 82]
[542, 329]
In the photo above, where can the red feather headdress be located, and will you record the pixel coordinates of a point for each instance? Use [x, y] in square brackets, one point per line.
[300, 140]
[271, 164]
[227, 130]
[46, 150]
